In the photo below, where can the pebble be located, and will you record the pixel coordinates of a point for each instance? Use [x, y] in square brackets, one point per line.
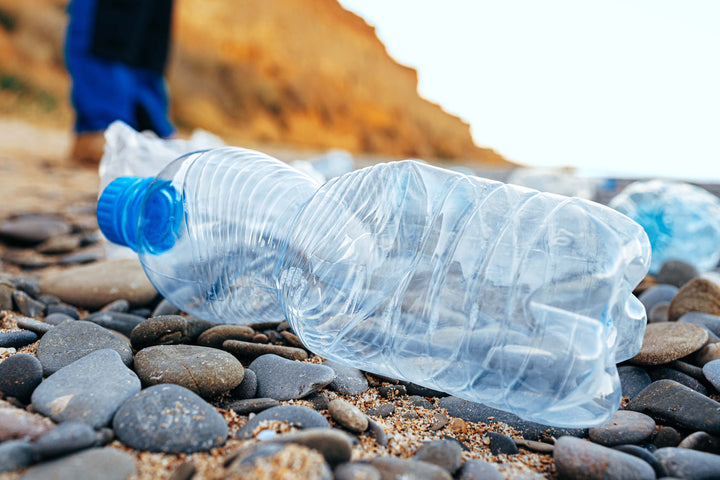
[418, 401]
[59, 244]
[477, 412]
[41, 328]
[18, 424]
[382, 410]
[665, 342]
[643, 454]
[164, 307]
[16, 454]
[29, 285]
[701, 441]
[664, 373]
[28, 259]
[575, 458]
[68, 437]
[19, 375]
[169, 419]
[120, 305]
[415, 389]
[318, 400]
[658, 294]
[68, 310]
[534, 446]
[86, 255]
[167, 330]
[296, 415]
[438, 421]
[71, 341]
[394, 468]
[334, 445]
[377, 432]
[56, 319]
[284, 379]
[678, 404]
[659, 313]
[96, 463]
[247, 388]
[474, 469]
[708, 353]
[443, 453]
[624, 427]
[206, 371]
[291, 339]
[33, 229]
[500, 443]
[27, 305]
[356, 471]
[348, 380]
[633, 380]
[17, 338]
[666, 437]
[249, 350]
[688, 369]
[6, 291]
[348, 415]
[392, 391]
[712, 373]
[698, 295]
[94, 286]
[118, 321]
[691, 464]
[676, 272]
[89, 390]
[710, 322]
[215, 336]
[251, 405]
[295, 461]
[185, 471]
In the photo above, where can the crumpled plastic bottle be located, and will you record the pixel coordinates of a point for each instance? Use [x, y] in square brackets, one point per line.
[681, 220]
[495, 293]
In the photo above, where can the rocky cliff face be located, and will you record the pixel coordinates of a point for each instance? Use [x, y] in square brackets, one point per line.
[301, 72]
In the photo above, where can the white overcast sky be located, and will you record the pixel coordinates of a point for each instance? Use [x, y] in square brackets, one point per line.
[611, 86]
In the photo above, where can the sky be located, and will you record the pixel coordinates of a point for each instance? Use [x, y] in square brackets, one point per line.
[613, 87]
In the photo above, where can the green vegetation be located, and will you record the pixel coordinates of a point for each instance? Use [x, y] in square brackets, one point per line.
[24, 90]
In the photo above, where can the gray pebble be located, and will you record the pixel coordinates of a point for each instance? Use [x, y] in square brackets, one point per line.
[394, 468]
[17, 338]
[624, 427]
[284, 379]
[659, 313]
[247, 388]
[301, 417]
[32, 229]
[690, 464]
[16, 454]
[418, 401]
[534, 446]
[348, 415]
[688, 369]
[378, 432]
[41, 328]
[206, 371]
[73, 340]
[382, 410]
[318, 400]
[215, 336]
[105, 463]
[118, 321]
[27, 305]
[443, 453]
[89, 390]
[66, 438]
[59, 244]
[165, 308]
[710, 322]
[249, 350]
[120, 305]
[18, 424]
[63, 308]
[474, 469]
[701, 441]
[334, 445]
[20, 374]
[164, 330]
[29, 285]
[6, 291]
[633, 380]
[415, 389]
[575, 458]
[666, 437]
[500, 443]
[665, 373]
[185, 471]
[348, 380]
[169, 419]
[356, 471]
[643, 454]
[392, 391]
[661, 293]
[676, 272]
[711, 370]
[56, 319]
[251, 405]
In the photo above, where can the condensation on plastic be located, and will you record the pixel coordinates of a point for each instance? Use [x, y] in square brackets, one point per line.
[498, 294]
[681, 220]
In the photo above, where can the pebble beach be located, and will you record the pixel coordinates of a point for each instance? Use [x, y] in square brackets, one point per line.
[102, 378]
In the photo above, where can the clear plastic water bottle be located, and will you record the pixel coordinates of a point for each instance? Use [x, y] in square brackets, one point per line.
[681, 220]
[498, 294]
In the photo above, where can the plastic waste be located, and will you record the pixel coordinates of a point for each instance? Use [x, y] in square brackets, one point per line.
[682, 221]
[555, 180]
[498, 294]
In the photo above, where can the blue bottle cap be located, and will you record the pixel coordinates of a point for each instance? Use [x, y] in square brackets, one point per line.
[118, 209]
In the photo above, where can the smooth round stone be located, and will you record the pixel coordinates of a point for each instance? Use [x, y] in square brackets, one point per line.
[169, 419]
[118, 321]
[666, 437]
[701, 441]
[415, 389]
[348, 380]
[418, 401]
[59, 244]
[665, 342]
[377, 432]
[657, 294]
[120, 305]
[296, 461]
[398, 468]
[348, 415]
[215, 336]
[68, 310]
[658, 313]
[27, 305]
[104, 463]
[167, 330]
[664, 373]
[6, 291]
[500, 443]
[165, 308]
[251, 405]
[17, 338]
[576, 458]
[248, 350]
[206, 371]
[71, 341]
[711, 371]
[689, 369]
[66, 438]
[676, 272]
[633, 380]
[86, 255]
[284, 379]
[16, 454]
[643, 454]
[58, 318]
[18, 424]
[247, 388]
[296, 415]
[382, 410]
[33, 229]
[445, 454]
[334, 445]
[708, 353]
[678, 405]
[33, 325]
[624, 427]
[710, 322]
[94, 286]
[474, 469]
[89, 390]
[698, 295]
[356, 471]
[684, 463]
[19, 375]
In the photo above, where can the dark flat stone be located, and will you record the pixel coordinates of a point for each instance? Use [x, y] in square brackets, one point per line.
[17, 338]
[16, 454]
[20, 374]
[247, 388]
[665, 373]
[32, 230]
[215, 336]
[500, 443]
[334, 445]
[348, 380]
[657, 294]
[643, 454]
[576, 458]
[394, 468]
[445, 454]
[284, 379]
[676, 272]
[118, 321]
[624, 427]
[474, 469]
[711, 322]
[251, 405]
[27, 305]
[633, 380]
[249, 350]
[301, 417]
[690, 464]
[68, 437]
[41, 328]
[97, 463]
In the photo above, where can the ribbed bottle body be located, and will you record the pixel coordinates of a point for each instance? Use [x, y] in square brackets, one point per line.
[234, 207]
[499, 294]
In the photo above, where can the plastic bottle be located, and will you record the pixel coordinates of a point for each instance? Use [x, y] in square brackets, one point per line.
[681, 220]
[498, 294]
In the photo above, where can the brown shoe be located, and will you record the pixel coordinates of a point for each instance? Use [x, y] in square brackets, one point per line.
[88, 148]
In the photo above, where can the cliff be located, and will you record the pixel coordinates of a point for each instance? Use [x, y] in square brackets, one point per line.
[305, 73]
